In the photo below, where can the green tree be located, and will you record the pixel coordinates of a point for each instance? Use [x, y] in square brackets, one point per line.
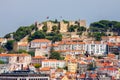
[98, 35]
[21, 51]
[37, 65]
[23, 31]
[57, 37]
[37, 35]
[2, 50]
[9, 45]
[117, 27]
[65, 21]
[92, 66]
[71, 29]
[105, 25]
[44, 28]
[55, 55]
[54, 28]
[32, 53]
[79, 33]
[2, 62]
[56, 21]
[54, 36]
[81, 29]
[8, 35]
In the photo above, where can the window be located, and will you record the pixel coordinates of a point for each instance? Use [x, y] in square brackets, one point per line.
[22, 79]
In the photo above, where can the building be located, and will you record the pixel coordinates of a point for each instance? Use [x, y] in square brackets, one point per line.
[18, 59]
[53, 63]
[63, 27]
[70, 46]
[3, 41]
[96, 47]
[21, 46]
[72, 66]
[82, 23]
[23, 75]
[111, 39]
[39, 43]
[50, 24]
[113, 47]
[82, 66]
[40, 46]
[45, 70]
[37, 59]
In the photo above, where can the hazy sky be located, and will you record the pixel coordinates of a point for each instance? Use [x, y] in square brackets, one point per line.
[16, 13]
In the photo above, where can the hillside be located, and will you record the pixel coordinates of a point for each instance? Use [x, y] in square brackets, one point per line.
[55, 30]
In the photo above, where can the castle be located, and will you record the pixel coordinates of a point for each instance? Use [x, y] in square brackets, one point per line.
[62, 25]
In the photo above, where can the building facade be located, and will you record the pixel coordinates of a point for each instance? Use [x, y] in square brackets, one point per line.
[53, 63]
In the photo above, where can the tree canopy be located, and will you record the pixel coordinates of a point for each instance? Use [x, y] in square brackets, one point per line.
[37, 35]
[2, 50]
[98, 35]
[55, 55]
[2, 62]
[54, 28]
[9, 45]
[81, 29]
[22, 32]
[44, 28]
[104, 25]
[71, 28]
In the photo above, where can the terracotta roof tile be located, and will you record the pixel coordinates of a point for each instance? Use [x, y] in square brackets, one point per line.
[23, 44]
[93, 75]
[5, 55]
[39, 57]
[40, 40]
[45, 69]
[82, 76]
[111, 55]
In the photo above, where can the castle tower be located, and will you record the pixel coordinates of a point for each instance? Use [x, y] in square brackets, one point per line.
[39, 26]
[82, 23]
[63, 27]
[49, 26]
[71, 23]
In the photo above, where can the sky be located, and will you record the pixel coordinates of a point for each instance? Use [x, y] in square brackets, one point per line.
[16, 13]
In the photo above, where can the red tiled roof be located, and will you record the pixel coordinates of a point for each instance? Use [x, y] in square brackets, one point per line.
[38, 57]
[82, 76]
[93, 75]
[23, 44]
[5, 55]
[45, 69]
[40, 40]
[111, 55]
[50, 60]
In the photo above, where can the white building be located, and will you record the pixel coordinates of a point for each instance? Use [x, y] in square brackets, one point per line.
[53, 63]
[70, 46]
[18, 59]
[3, 41]
[96, 47]
[39, 43]
[41, 46]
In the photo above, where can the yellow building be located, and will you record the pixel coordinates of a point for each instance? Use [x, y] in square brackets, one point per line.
[72, 66]
[65, 78]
